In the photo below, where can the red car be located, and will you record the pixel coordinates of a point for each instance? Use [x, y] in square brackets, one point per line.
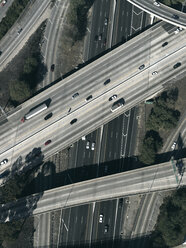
[47, 142]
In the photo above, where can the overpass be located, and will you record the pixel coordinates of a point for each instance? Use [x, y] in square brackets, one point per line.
[121, 68]
[149, 179]
[162, 12]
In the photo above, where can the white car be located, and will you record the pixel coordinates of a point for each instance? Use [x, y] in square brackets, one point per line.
[101, 218]
[83, 138]
[106, 22]
[4, 161]
[156, 3]
[173, 145]
[93, 146]
[88, 145]
[3, 2]
[112, 97]
[178, 30]
[154, 73]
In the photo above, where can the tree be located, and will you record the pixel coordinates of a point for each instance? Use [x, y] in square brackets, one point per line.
[19, 91]
[171, 227]
[151, 144]
[30, 65]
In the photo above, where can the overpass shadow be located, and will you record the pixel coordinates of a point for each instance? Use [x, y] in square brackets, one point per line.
[47, 177]
[118, 242]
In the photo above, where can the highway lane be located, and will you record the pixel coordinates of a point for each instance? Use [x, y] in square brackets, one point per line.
[51, 39]
[100, 12]
[63, 134]
[24, 130]
[13, 42]
[153, 178]
[163, 12]
[75, 225]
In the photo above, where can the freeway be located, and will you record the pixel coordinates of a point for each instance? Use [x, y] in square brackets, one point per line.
[16, 37]
[144, 180]
[121, 67]
[162, 12]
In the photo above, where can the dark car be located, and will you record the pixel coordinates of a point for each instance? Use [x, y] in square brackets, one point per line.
[73, 121]
[88, 98]
[48, 116]
[107, 81]
[141, 67]
[164, 44]
[75, 95]
[20, 30]
[52, 67]
[177, 65]
[4, 174]
[47, 142]
[96, 38]
[1, 53]
[105, 42]
[176, 17]
[106, 228]
[120, 202]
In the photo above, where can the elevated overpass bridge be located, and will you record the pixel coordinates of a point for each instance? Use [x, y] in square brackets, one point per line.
[162, 12]
[145, 180]
[127, 71]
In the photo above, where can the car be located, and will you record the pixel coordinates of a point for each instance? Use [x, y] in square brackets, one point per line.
[101, 218]
[173, 145]
[52, 67]
[120, 202]
[20, 30]
[88, 145]
[141, 67]
[75, 95]
[96, 38]
[105, 42]
[4, 161]
[73, 121]
[107, 81]
[47, 142]
[93, 146]
[178, 30]
[83, 138]
[156, 3]
[154, 73]
[4, 174]
[176, 17]
[106, 21]
[165, 44]
[1, 53]
[3, 2]
[88, 98]
[106, 228]
[100, 37]
[177, 65]
[48, 116]
[106, 168]
[112, 97]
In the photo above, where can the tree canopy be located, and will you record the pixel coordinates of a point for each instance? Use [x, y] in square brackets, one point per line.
[171, 227]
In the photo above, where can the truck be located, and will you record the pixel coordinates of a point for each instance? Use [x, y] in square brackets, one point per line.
[35, 111]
